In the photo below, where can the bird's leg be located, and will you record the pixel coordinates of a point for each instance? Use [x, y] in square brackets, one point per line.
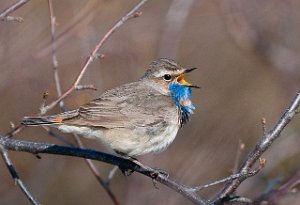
[154, 172]
[125, 171]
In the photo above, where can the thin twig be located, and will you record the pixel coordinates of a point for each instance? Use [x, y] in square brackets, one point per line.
[96, 173]
[274, 194]
[39, 148]
[230, 178]
[111, 174]
[62, 106]
[131, 14]
[13, 18]
[54, 56]
[90, 164]
[14, 131]
[15, 176]
[238, 199]
[4, 14]
[262, 145]
[241, 147]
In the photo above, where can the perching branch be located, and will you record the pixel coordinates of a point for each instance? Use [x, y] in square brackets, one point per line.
[262, 145]
[40, 148]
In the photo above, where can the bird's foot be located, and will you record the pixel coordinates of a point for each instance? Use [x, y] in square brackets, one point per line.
[153, 172]
[158, 171]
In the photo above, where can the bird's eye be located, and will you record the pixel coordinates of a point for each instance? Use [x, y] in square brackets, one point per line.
[167, 77]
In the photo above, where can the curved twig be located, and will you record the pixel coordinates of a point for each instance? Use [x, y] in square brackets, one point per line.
[15, 176]
[131, 14]
[273, 195]
[262, 145]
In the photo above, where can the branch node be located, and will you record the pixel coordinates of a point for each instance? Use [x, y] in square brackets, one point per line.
[241, 147]
[43, 109]
[262, 163]
[293, 191]
[45, 95]
[13, 18]
[137, 14]
[12, 125]
[99, 55]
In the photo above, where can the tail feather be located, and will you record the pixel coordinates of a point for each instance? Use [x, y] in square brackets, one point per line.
[32, 121]
[49, 120]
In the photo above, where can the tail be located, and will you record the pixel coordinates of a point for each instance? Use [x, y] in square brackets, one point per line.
[49, 120]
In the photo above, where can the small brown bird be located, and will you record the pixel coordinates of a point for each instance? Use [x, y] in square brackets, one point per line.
[136, 118]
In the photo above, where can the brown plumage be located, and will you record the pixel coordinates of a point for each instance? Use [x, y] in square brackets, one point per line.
[134, 118]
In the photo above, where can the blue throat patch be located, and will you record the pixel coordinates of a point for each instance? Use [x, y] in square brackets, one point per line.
[181, 95]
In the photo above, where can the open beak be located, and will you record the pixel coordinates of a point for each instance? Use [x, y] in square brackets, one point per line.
[180, 79]
[189, 70]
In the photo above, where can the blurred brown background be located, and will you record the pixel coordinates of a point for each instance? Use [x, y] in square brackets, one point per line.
[247, 53]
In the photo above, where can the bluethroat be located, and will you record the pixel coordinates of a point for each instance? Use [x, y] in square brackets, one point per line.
[135, 118]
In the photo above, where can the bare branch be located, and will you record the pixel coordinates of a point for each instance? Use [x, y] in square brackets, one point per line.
[4, 14]
[13, 18]
[273, 196]
[262, 145]
[131, 14]
[230, 178]
[238, 199]
[96, 173]
[241, 147]
[62, 107]
[14, 131]
[39, 148]
[111, 174]
[54, 56]
[15, 176]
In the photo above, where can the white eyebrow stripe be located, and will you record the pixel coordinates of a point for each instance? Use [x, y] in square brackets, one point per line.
[161, 73]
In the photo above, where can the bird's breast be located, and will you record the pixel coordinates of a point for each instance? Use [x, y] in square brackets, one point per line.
[181, 96]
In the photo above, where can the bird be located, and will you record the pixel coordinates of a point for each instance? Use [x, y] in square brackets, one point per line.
[136, 118]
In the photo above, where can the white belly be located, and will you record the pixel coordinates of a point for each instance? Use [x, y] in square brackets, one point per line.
[129, 142]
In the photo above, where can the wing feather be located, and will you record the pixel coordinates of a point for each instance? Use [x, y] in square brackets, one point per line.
[130, 105]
